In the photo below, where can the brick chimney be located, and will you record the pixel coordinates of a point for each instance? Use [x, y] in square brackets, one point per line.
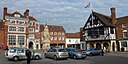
[26, 13]
[113, 15]
[4, 12]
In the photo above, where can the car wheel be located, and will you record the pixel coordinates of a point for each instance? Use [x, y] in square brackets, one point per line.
[74, 57]
[37, 57]
[55, 58]
[15, 58]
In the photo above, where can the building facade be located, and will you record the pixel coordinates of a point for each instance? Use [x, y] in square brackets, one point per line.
[73, 40]
[2, 43]
[99, 31]
[122, 33]
[53, 36]
[21, 30]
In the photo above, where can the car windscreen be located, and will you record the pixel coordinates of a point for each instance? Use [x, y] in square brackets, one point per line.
[61, 50]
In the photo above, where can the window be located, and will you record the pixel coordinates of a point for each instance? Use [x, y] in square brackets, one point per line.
[21, 29]
[12, 28]
[31, 29]
[59, 33]
[124, 25]
[12, 39]
[51, 38]
[101, 31]
[21, 22]
[12, 22]
[20, 51]
[21, 40]
[69, 40]
[62, 38]
[112, 30]
[37, 27]
[17, 15]
[51, 33]
[59, 38]
[12, 50]
[125, 34]
[55, 33]
[55, 38]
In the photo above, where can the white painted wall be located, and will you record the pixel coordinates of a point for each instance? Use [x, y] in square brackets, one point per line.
[73, 41]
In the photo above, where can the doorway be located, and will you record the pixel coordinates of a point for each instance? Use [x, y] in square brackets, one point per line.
[30, 45]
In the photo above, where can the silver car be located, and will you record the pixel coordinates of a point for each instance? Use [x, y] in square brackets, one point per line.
[56, 53]
[19, 53]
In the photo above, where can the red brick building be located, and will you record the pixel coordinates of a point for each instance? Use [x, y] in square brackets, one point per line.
[21, 30]
[122, 33]
[53, 35]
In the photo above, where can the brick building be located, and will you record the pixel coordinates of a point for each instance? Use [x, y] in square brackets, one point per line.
[122, 33]
[53, 36]
[21, 30]
[2, 43]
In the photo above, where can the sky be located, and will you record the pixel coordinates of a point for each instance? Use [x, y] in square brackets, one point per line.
[71, 14]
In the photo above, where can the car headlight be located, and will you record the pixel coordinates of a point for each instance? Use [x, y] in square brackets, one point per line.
[79, 54]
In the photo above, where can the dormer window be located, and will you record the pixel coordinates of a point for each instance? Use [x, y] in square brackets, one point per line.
[17, 15]
[12, 22]
[21, 22]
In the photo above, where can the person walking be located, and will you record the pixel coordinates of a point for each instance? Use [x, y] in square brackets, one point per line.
[102, 52]
[28, 54]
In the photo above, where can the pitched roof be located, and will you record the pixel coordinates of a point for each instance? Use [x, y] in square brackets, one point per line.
[72, 35]
[105, 19]
[22, 16]
[31, 18]
[122, 19]
[53, 28]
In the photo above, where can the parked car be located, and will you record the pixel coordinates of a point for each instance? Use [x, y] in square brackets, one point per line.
[93, 51]
[19, 53]
[75, 53]
[56, 53]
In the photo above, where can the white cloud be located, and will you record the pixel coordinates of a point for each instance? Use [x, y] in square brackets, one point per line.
[69, 13]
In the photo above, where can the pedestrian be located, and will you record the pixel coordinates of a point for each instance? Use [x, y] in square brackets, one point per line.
[28, 54]
[102, 52]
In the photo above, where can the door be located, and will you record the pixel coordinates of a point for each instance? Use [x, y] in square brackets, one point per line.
[21, 53]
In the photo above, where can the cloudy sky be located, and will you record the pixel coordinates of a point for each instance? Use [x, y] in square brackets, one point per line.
[70, 14]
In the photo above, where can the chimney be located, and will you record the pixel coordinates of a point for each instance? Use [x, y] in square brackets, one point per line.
[5, 12]
[26, 13]
[113, 15]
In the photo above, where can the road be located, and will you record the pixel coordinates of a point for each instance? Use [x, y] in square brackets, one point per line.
[110, 58]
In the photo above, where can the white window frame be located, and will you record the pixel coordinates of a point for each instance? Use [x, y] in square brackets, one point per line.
[21, 29]
[11, 39]
[21, 40]
[12, 28]
[31, 29]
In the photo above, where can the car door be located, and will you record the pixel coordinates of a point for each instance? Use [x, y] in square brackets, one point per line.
[21, 53]
[49, 53]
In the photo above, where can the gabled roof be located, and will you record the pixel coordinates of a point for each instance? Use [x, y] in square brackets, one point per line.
[72, 35]
[53, 28]
[22, 16]
[12, 15]
[31, 18]
[105, 19]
